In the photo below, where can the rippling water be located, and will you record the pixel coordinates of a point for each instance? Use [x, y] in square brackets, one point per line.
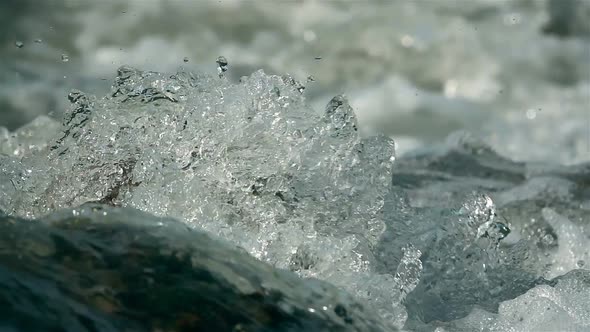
[429, 159]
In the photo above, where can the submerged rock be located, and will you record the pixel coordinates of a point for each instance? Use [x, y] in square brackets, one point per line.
[98, 268]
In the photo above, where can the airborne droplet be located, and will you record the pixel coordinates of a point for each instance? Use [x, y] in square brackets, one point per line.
[221, 65]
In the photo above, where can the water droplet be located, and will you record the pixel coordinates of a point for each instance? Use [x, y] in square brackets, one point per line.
[581, 263]
[291, 81]
[185, 59]
[547, 239]
[19, 44]
[309, 36]
[531, 114]
[310, 78]
[65, 58]
[407, 41]
[221, 65]
[38, 41]
[318, 58]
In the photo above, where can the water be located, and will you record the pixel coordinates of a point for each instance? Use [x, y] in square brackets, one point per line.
[414, 70]
[475, 209]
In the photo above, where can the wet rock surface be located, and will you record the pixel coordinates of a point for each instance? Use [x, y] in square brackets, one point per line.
[98, 268]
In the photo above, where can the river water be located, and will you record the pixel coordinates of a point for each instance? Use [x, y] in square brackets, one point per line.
[428, 158]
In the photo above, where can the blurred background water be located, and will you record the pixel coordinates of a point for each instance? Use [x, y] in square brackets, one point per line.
[514, 72]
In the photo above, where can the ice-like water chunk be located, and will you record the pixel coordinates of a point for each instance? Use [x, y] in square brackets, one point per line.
[250, 162]
[480, 214]
[303, 191]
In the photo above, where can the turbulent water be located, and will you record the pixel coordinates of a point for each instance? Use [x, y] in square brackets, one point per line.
[143, 207]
